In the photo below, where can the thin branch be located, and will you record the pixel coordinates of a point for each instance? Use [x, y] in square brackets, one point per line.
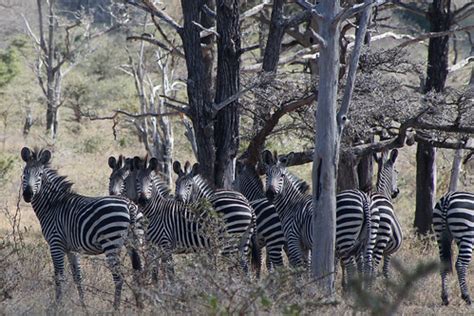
[30, 31]
[206, 31]
[351, 76]
[435, 34]
[256, 9]
[462, 10]
[309, 7]
[409, 8]
[121, 112]
[157, 43]
[151, 8]
[217, 107]
[208, 11]
[355, 9]
[463, 63]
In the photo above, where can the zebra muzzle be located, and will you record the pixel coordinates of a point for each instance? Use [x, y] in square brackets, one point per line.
[27, 194]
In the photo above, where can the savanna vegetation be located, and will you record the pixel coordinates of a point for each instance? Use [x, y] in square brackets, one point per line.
[140, 78]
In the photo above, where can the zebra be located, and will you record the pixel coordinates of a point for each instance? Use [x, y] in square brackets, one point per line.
[238, 215]
[269, 228]
[73, 223]
[389, 234]
[453, 218]
[175, 227]
[355, 223]
[121, 180]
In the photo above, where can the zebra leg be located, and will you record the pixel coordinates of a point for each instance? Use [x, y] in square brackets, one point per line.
[464, 257]
[348, 264]
[76, 274]
[386, 266]
[58, 263]
[112, 259]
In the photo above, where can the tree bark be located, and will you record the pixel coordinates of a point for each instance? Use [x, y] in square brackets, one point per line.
[440, 18]
[275, 36]
[325, 154]
[455, 170]
[226, 128]
[425, 187]
[199, 97]
[347, 177]
[365, 172]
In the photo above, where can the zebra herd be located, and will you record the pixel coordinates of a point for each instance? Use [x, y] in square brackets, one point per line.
[278, 217]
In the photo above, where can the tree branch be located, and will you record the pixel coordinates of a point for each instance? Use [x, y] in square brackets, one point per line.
[410, 8]
[253, 150]
[351, 76]
[133, 115]
[355, 9]
[463, 10]
[151, 8]
[156, 42]
[435, 34]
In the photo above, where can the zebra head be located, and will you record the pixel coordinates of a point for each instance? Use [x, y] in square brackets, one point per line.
[120, 171]
[144, 178]
[185, 181]
[275, 170]
[387, 175]
[36, 163]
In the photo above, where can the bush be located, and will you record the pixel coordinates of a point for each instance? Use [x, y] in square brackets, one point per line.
[6, 165]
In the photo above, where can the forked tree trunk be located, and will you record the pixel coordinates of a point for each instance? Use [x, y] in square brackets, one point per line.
[325, 154]
[226, 128]
[440, 19]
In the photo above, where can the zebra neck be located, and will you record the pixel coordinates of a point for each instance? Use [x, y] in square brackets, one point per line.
[201, 189]
[385, 191]
[54, 188]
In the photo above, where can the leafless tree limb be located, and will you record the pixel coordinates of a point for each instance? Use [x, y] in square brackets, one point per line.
[409, 8]
[435, 34]
[151, 8]
[156, 42]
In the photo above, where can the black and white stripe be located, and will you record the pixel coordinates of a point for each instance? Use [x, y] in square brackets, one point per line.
[175, 226]
[72, 223]
[389, 234]
[269, 228]
[355, 224]
[453, 218]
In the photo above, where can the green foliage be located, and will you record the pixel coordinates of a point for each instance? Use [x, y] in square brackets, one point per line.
[9, 65]
[92, 144]
[6, 165]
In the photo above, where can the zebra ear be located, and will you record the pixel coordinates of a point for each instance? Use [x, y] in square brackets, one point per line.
[112, 162]
[393, 155]
[177, 168]
[25, 154]
[286, 160]
[195, 170]
[153, 164]
[267, 157]
[136, 163]
[45, 157]
[187, 167]
[120, 161]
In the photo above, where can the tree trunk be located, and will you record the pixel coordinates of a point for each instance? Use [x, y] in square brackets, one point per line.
[275, 36]
[325, 154]
[440, 19]
[199, 97]
[425, 187]
[455, 170]
[347, 172]
[365, 172]
[226, 128]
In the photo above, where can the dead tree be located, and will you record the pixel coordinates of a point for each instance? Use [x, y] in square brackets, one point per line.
[58, 50]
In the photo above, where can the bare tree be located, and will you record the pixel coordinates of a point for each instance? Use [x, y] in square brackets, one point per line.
[59, 44]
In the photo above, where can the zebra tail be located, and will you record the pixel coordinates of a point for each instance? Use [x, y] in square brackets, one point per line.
[445, 250]
[368, 242]
[256, 254]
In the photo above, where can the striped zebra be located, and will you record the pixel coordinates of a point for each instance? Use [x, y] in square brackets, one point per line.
[453, 218]
[269, 229]
[238, 215]
[72, 223]
[175, 226]
[355, 224]
[389, 234]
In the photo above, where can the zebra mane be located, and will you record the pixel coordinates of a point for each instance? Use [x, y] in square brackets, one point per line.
[299, 184]
[61, 183]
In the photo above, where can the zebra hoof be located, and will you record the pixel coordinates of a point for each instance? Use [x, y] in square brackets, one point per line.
[445, 300]
[466, 298]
